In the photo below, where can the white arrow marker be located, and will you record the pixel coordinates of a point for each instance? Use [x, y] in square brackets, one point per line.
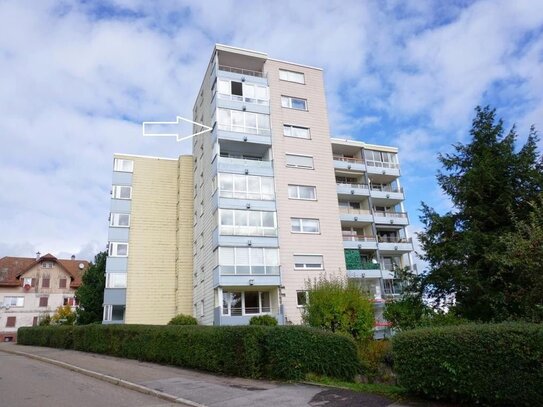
[147, 128]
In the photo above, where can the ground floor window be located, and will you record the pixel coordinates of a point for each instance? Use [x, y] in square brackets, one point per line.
[114, 312]
[238, 303]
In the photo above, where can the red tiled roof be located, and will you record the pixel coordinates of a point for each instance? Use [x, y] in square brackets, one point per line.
[12, 268]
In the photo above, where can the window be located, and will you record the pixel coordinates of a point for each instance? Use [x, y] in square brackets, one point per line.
[62, 283]
[296, 131]
[381, 159]
[10, 322]
[123, 165]
[69, 301]
[238, 303]
[115, 280]
[122, 192]
[114, 312]
[47, 264]
[247, 223]
[304, 225]
[299, 161]
[291, 76]
[246, 187]
[302, 192]
[14, 301]
[248, 260]
[45, 282]
[44, 301]
[117, 249]
[242, 92]
[301, 298]
[29, 281]
[121, 220]
[243, 122]
[35, 321]
[293, 103]
[308, 262]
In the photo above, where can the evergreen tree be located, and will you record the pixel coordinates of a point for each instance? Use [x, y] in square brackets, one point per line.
[90, 296]
[489, 184]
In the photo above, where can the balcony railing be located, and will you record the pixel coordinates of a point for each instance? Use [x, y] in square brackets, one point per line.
[382, 164]
[241, 71]
[242, 311]
[353, 237]
[355, 211]
[237, 98]
[245, 129]
[346, 185]
[242, 270]
[348, 159]
[248, 231]
[386, 188]
[246, 195]
[253, 162]
[394, 239]
[370, 266]
[390, 214]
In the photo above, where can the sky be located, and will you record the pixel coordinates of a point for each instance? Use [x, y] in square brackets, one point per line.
[77, 79]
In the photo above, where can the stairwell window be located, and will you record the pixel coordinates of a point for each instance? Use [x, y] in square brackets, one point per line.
[296, 131]
[293, 103]
[122, 192]
[121, 220]
[118, 249]
[115, 280]
[123, 165]
[291, 76]
[304, 192]
[304, 225]
[299, 161]
[308, 262]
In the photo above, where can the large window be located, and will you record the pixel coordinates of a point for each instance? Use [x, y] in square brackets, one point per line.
[238, 303]
[291, 76]
[302, 192]
[308, 262]
[296, 131]
[248, 260]
[123, 165]
[115, 280]
[243, 92]
[246, 187]
[243, 122]
[247, 223]
[301, 298]
[119, 220]
[122, 192]
[299, 161]
[293, 103]
[381, 159]
[14, 301]
[117, 249]
[304, 225]
[114, 312]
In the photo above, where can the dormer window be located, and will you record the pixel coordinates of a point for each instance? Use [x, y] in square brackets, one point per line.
[47, 264]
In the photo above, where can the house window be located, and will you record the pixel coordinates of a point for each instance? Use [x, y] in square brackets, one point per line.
[243, 122]
[242, 92]
[293, 103]
[301, 298]
[302, 192]
[117, 249]
[44, 301]
[291, 76]
[62, 283]
[296, 131]
[247, 223]
[10, 322]
[45, 282]
[29, 281]
[14, 301]
[246, 187]
[308, 262]
[114, 312]
[248, 260]
[238, 303]
[69, 301]
[47, 264]
[121, 220]
[304, 225]
[115, 280]
[120, 164]
[35, 321]
[299, 161]
[122, 192]
[381, 159]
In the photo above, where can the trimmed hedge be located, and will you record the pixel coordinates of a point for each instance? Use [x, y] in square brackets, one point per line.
[491, 364]
[288, 353]
[263, 320]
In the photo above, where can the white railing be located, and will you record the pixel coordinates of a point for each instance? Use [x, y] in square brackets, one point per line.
[348, 159]
[391, 239]
[343, 209]
[386, 188]
[260, 196]
[390, 214]
[382, 164]
[237, 98]
[246, 270]
[343, 184]
[246, 162]
[244, 129]
[248, 231]
[241, 71]
[358, 238]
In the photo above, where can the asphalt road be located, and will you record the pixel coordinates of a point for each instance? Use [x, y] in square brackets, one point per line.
[30, 383]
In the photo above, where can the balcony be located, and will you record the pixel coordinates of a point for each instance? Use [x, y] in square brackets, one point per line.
[353, 215]
[391, 218]
[242, 317]
[231, 276]
[356, 241]
[348, 163]
[241, 71]
[233, 240]
[242, 133]
[395, 244]
[345, 191]
[386, 195]
[245, 166]
[389, 169]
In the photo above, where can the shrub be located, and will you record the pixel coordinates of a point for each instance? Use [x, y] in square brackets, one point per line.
[63, 316]
[492, 364]
[183, 319]
[248, 351]
[264, 320]
[376, 360]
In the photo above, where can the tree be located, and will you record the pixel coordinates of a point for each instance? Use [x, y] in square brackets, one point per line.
[63, 316]
[489, 184]
[339, 306]
[90, 296]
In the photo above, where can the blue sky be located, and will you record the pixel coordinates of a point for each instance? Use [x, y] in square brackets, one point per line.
[79, 77]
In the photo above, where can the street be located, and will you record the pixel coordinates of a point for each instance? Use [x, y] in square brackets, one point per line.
[30, 383]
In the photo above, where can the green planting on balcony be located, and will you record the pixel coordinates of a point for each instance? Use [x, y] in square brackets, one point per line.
[354, 261]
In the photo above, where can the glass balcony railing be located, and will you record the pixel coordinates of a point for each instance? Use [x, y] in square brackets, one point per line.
[390, 214]
[245, 129]
[249, 270]
[346, 185]
[348, 159]
[353, 237]
[241, 71]
[354, 211]
[394, 239]
[252, 162]
[382, 164]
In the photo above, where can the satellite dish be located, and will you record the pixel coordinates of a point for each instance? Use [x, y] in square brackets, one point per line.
[81, 266]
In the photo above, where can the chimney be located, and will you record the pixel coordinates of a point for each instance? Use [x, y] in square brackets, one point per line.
[38, 255]
[73, 256]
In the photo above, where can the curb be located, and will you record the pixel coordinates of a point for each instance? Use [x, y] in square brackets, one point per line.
[110, 379]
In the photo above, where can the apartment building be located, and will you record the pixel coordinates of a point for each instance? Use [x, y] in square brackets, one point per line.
[266, 202]
[31, 288]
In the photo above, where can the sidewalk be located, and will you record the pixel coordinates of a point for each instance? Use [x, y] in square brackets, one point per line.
[192, 388]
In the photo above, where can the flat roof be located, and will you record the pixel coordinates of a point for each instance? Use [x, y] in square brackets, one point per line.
[361, 144]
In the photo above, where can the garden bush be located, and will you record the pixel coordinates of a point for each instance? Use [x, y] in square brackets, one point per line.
[279, 352]
[183, 319]
[263, 320]
[489, 364]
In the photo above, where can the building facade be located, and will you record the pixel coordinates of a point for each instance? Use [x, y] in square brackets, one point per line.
[31, 288]
[267, 202]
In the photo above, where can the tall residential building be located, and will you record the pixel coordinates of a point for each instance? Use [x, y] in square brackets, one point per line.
[267, 202]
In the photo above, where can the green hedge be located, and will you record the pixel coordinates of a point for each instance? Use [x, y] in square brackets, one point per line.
[288, 353]
[490, 364]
